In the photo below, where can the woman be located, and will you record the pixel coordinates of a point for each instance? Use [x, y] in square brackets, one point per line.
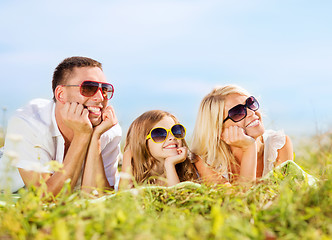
[229, 138]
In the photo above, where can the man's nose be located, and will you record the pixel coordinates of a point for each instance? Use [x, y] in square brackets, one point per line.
[99, 96]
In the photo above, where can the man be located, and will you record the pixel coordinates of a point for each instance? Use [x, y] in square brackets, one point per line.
[76, 129]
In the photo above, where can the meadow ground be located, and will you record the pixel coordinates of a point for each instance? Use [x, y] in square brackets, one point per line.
[284, 206]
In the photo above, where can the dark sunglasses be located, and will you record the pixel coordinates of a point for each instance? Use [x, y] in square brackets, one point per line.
[160, 134]
[90, 88]
[239, 112]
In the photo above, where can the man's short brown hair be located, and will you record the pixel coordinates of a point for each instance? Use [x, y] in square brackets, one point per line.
[62, 71]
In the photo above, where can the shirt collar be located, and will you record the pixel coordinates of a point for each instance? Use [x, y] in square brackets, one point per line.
[55, 130]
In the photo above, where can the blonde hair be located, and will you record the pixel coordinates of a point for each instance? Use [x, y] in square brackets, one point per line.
[206, 140]
[142, 161]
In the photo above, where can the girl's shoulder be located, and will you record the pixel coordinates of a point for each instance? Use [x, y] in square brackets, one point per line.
[192, 157]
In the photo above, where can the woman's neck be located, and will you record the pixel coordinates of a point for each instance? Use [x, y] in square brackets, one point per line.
[237, 152]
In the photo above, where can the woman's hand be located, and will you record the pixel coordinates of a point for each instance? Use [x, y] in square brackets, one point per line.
[236, 137]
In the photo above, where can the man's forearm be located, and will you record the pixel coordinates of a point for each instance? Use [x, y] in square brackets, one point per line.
[72, 162]
[72, 167]
[94, 176]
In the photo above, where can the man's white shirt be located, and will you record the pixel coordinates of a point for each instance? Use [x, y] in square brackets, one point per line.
[33, 141]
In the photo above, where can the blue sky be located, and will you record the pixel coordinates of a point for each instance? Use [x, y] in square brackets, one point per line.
[169, 54]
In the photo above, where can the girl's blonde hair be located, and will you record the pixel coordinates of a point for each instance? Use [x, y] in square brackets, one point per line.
[206, 140]
[142, 161]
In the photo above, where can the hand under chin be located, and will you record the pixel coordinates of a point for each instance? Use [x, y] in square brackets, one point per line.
[95, 121]
[255, 133]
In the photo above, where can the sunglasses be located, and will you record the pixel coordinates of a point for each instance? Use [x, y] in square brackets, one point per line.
[239, 112]
[159, 134]
[90, 88]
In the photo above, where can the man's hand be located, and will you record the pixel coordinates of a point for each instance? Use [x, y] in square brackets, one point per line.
[181, 157]
[94, 175]
[76, 117]
[109, 120]
[235, 136]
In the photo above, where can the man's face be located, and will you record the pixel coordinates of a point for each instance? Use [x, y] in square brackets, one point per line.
[95, 104]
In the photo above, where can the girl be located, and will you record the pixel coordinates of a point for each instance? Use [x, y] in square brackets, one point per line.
[155, 148]
[230, 138]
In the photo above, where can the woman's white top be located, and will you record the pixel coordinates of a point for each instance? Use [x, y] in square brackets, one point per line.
[273, 141]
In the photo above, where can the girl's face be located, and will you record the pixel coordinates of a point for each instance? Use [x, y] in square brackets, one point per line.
[252, 123]
[168, 148]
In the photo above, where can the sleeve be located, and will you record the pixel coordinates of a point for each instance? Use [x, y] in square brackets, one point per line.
[273, 141]
[25, 146]
[111, 152]
[276, 141]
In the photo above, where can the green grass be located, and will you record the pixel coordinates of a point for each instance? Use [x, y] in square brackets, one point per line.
[281, 207]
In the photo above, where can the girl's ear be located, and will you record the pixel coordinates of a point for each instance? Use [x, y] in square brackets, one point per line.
[59, 94]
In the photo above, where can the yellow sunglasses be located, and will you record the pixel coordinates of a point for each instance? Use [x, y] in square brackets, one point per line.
[159, 134]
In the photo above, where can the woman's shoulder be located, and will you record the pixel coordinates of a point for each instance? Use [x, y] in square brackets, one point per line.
[277, 146]
[274, 133]
[274, 139]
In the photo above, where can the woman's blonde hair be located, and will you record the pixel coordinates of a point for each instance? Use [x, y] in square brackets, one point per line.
[206, 140]
[142, 161]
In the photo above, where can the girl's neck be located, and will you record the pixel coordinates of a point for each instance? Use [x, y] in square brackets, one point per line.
[159, 167]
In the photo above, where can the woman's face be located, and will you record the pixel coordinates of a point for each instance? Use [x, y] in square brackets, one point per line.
[168, 148]
[252, 123]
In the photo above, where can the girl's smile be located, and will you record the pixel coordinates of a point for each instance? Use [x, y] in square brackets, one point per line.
[171, 146]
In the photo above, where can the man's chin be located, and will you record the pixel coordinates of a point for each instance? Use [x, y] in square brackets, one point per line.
[95, 121]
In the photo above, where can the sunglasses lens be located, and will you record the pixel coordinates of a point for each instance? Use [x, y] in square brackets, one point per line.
[158, 134]
[237, 113]
[178, 131]
[252, 103]
[89, 88]
[107, 90]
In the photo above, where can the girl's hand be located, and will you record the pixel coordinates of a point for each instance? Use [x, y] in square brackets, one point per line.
[235, 136]
[180, 157]
[170, 162]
